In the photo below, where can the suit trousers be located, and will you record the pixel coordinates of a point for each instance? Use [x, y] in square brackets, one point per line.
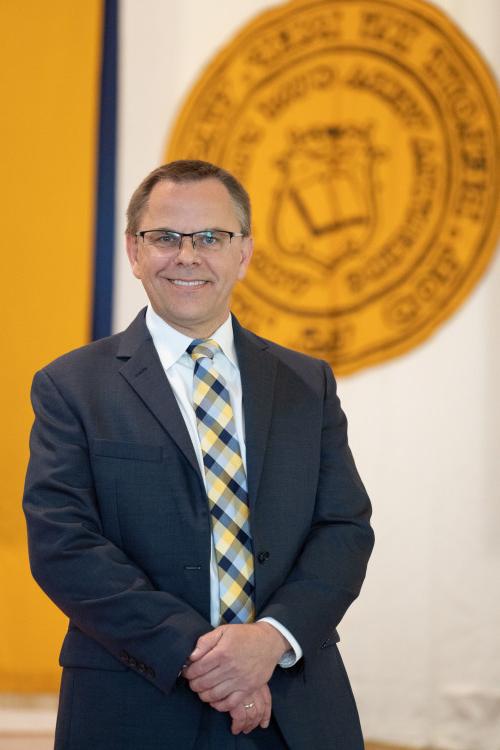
[215, 734]
[118, 710]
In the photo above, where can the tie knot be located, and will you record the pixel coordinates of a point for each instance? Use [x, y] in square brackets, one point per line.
[200, 348]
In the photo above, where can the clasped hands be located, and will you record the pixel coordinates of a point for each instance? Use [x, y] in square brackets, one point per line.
[230, 667]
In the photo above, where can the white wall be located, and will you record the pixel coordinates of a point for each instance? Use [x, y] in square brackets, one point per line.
[422, 644]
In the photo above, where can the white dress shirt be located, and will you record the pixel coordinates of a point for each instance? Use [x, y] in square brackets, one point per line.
[171, 346]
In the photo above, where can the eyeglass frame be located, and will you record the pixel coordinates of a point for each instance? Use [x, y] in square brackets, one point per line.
[181, 235]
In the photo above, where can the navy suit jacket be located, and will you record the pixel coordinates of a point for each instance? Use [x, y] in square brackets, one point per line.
[119, 538]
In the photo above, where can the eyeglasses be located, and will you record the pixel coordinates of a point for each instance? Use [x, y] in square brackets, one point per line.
[165, 240]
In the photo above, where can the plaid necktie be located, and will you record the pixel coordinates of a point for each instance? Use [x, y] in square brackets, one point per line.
[226, 485]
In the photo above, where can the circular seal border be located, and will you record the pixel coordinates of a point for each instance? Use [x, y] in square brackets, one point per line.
[485, 80]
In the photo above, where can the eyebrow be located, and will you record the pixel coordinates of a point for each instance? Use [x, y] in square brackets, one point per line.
[205, 229]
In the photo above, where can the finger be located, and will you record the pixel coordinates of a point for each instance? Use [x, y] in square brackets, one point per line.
[237, 713]
[228, 704]
[242, 722]
[267, 706]
[210, 684]
[232, 702]
[204, 665]
[239, 721]
[254, 715]
[221, 692]
[213, 659]
[206, 643]
[206, 681]
[254, 709]
[238, 716]
[247, 719]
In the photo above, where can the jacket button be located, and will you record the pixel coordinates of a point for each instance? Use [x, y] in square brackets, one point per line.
[262, 557]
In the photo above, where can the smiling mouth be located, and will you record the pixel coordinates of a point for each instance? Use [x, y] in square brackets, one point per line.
[185, 283]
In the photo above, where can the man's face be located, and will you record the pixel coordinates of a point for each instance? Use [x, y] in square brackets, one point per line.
[197, 309]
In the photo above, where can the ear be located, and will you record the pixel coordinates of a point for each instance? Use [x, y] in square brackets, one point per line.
[246, 256]
[132, 252]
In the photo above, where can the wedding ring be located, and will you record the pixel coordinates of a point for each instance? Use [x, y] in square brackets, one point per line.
[248, 705]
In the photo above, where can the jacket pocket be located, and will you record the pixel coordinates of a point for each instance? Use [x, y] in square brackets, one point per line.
[128, 451]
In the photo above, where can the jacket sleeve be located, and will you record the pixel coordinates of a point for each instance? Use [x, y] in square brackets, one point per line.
[329, 571]
[104, 593]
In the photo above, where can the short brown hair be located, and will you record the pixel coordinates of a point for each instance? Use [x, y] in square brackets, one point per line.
[189, 170]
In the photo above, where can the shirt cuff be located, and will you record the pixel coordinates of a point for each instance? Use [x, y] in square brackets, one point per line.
[290, 657]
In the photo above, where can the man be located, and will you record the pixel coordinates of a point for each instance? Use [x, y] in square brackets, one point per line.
[193, 506]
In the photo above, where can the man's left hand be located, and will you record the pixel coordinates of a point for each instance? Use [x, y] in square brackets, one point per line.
[233, 659]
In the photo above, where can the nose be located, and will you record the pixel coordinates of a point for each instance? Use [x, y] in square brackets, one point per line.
[187, 254]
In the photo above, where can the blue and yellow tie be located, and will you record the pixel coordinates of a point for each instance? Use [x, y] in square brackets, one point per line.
[226, 486]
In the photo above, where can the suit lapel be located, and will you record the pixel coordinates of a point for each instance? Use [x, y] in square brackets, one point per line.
[143, 371]
[258, 374]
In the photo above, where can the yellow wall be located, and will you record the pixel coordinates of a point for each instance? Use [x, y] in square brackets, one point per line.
[49, 58]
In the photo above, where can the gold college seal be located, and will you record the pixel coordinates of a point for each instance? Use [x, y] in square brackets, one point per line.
[367, 134]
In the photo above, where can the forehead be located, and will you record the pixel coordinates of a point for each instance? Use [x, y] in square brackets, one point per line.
[187, 206]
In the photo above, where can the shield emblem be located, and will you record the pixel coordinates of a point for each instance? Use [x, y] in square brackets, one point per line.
[325, 208]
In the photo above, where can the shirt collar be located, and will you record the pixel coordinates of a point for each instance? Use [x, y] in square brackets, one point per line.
[172, 344]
